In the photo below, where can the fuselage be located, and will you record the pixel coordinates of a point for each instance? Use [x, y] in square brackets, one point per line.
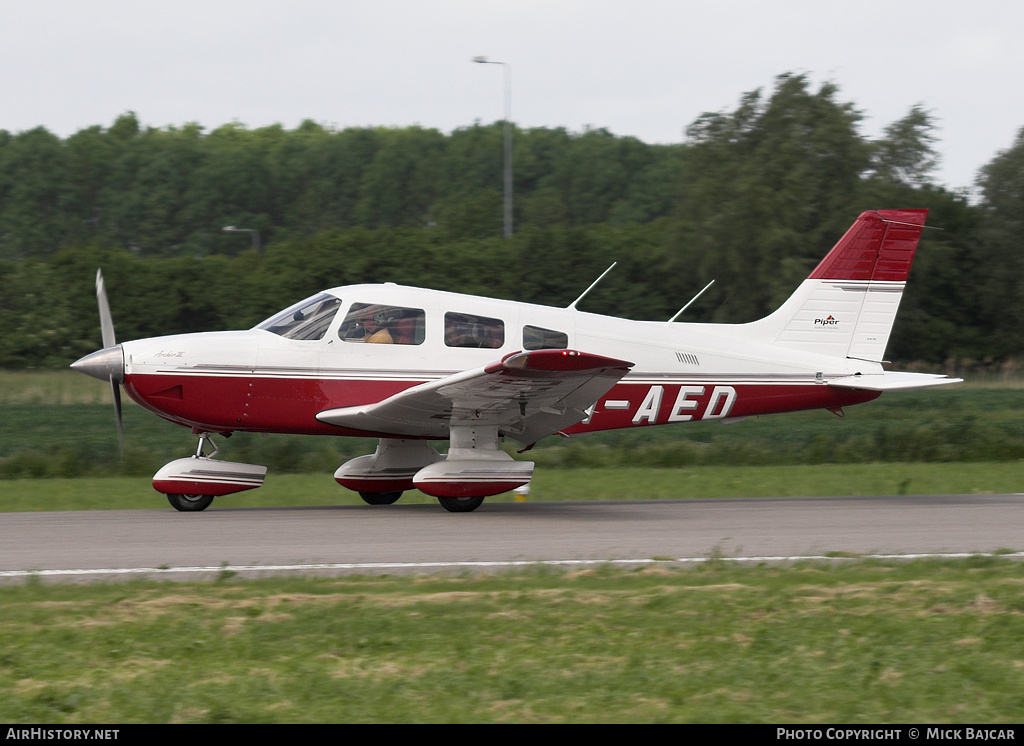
[264, 380]
[408, 365]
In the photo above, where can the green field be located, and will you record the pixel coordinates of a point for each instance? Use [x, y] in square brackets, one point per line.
[617, 483]
[61, 424]
[934, 642]
[964, 439]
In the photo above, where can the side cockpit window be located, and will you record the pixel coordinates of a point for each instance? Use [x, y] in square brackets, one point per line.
[537, 338]
[469, 330]
[377, 323]
[308, 319]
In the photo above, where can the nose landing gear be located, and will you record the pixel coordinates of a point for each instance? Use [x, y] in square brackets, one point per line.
[191, 483]
[189, 503]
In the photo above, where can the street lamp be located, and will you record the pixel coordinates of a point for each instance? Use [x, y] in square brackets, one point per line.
[508, 139]
[255, 235]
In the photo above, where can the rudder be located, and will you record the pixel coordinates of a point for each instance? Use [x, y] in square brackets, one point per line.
[879, 246]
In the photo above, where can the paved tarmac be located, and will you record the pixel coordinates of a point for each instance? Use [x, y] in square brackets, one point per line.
[425, 538]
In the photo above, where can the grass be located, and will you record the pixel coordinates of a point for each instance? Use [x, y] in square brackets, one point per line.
[64, 387]
[935, 642]
[853, 642]
[618, 483]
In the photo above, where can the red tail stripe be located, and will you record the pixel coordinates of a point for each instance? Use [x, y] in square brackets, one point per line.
[879, 246]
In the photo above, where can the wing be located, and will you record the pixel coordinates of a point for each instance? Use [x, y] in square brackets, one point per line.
[526, 395]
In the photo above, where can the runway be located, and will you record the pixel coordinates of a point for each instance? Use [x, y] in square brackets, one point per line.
[425, 538]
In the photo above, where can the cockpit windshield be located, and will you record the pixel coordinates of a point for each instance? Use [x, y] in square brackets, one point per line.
[307, 319]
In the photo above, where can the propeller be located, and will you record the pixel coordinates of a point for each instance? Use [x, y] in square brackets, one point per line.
[107, 330]
[106, 321]
[115, 377]
[106, 364]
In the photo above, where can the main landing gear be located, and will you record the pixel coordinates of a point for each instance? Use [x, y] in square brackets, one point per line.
[380, 498]
[451, 504]
[460, 504]
[473, 468]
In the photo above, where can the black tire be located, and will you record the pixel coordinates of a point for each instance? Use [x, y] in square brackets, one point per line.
[460, 504]
[380, 498]
[189, 503]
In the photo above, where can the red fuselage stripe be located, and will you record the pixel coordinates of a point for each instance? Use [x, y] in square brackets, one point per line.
[289, 405]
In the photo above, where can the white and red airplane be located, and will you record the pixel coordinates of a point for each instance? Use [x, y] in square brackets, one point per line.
[409, 365]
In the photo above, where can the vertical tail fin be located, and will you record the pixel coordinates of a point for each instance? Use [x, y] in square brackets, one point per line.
[846, 307]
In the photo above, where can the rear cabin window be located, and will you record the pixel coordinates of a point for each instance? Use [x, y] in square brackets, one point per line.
[469, 330]
[537, 338]
[307, 320]
[376, 323]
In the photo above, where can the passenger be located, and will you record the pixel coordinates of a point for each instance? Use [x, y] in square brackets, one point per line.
[459, 335]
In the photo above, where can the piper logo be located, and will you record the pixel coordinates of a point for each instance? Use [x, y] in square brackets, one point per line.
[826, 322]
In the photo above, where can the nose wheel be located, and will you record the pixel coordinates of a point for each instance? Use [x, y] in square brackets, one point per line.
[189, 503]
[194, 503]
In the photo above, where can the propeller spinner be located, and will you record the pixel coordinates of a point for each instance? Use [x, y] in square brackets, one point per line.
[106, 364]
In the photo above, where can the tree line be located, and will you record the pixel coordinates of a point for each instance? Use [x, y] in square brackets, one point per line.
[752, 198]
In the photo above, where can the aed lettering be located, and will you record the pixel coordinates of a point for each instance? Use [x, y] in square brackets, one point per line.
[687, 405]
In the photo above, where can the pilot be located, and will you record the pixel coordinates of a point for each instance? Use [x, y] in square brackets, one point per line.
[377, 328]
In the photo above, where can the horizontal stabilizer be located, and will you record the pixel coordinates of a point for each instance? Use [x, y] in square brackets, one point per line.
[892, 381]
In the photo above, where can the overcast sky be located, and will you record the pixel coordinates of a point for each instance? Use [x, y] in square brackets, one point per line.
[645, 68]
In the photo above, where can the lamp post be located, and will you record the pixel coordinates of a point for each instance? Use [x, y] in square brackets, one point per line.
[508, 139]
[255, 235]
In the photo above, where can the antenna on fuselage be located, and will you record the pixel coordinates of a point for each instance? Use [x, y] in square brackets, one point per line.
[680, 311]
[572, 306]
